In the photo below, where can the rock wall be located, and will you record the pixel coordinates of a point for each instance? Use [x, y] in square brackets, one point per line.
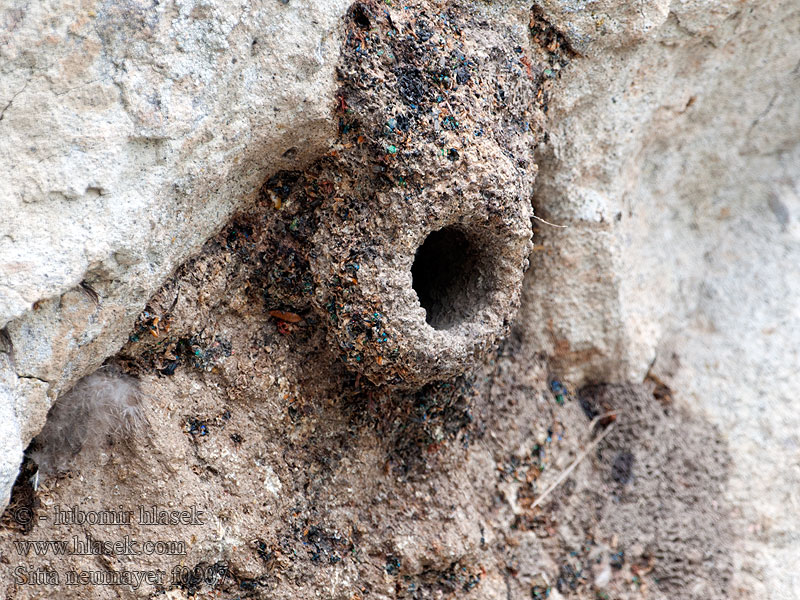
[676, 163]
[329, 142]
[131, 132]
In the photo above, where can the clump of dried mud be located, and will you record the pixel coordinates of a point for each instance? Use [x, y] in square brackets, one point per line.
[313, 482]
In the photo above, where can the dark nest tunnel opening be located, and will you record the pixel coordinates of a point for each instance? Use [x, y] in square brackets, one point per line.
[449, 277]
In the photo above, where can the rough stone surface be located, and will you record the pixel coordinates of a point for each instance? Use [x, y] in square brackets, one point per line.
[679, 175]
[130, 133]
[666, 137]
[10, 438]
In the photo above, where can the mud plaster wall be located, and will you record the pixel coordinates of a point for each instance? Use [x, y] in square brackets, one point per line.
[316, 482]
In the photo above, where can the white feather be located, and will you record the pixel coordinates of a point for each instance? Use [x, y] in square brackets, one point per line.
[106, 404]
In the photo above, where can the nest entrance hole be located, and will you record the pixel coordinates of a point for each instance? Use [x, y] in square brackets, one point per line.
[449, 275]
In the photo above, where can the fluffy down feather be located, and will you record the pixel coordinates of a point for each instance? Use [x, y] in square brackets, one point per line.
[100, 408]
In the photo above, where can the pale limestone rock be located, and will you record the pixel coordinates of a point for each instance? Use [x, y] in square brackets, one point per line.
[675, 161]
[10, 436]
